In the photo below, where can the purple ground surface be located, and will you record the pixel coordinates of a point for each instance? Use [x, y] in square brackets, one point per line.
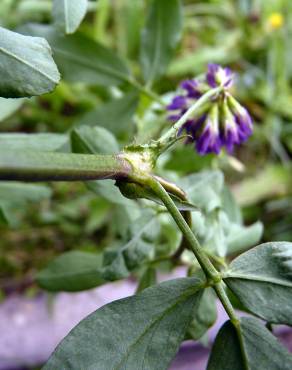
[31, 328]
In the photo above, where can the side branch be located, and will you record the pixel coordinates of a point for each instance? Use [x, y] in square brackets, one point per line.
[48, 166]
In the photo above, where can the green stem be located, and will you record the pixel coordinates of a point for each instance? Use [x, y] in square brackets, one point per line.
[213, 276]
[47, 166]
[147, 92]
[219, 289]
[171, 135]
[194, 244]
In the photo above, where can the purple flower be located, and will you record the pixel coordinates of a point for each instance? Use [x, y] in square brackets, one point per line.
[219, 76]
[209, 139]
[221, 122]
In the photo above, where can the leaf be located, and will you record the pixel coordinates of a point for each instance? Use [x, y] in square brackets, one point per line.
[241, 237]
[204, 189]
[147, 279]
[262, 280]
[3, 217]
[27, 67]
[204, 316]
[116, 115]
[81, 59]
[160, 37]
[139, 332]
[9, 106]
[231, 207]
[42, 142]
[68, 14]
[120, 262]
[15, 195]
[254, 347]
[95, 140]
[72, 271]
[19, 193]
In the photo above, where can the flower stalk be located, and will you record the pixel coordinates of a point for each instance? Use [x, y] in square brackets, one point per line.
[171, 135]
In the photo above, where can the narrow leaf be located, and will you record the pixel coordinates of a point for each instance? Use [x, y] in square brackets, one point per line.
[26, 65]
[262, 280]
[160, 37]
[139, 332]
[68, 14]
[72, 271]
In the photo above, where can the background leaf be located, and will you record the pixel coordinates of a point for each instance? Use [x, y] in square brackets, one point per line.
[258, 347]
[72, 271]
[139, 332]
[262, 280]
[9, 106]
[81, 59]
[68, 14]
[116, 115]
[39, 142]
[27, 67]
[160, 37]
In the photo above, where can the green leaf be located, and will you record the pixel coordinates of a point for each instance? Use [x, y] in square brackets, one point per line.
[262, 280]
[147, 279]
[204, 189]
[204, 316]
[120, 262]
[241, 237]
[15, 195]
[26, 66]
[19, 193]
[81, 59]
[3, 217]
[9, 106]
[160, 37]
[96, 140]
[139, 332]
[253, 348]
[116, 115]
[39, 142]
[72, 271]
[68, 14]
[231, 207]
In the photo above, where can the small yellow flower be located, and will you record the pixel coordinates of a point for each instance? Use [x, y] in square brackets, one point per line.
[276, 20]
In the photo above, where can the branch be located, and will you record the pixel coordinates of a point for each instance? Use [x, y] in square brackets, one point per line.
[48, 166]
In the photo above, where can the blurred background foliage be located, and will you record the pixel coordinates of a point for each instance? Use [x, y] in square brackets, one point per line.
[39, 222]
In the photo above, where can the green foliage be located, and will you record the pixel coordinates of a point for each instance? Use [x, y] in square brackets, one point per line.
[80, 59]
[262, 280]
[68, 14]
[72, 271]
[130, 333]
[27, 67]
[247, 348]
[103, 122]
[160, 37]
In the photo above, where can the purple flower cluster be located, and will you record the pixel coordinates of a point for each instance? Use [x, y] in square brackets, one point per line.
[223, 122]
